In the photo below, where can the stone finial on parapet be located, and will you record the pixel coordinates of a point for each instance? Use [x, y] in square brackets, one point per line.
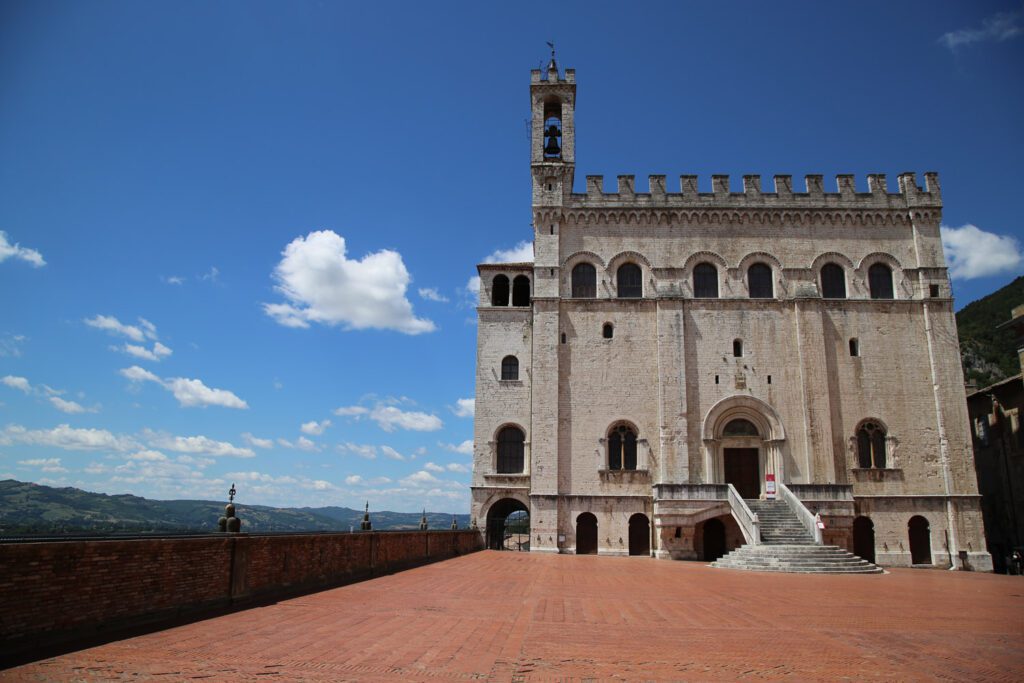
[784, 185]
[877, 184]
[229, 522]
[595, 186]
[752, 185]
[423, 520]
[365, 526]
[931, 184]
[455, 523]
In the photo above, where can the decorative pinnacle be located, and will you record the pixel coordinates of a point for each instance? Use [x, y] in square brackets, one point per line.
[553, 64]
[231, 493]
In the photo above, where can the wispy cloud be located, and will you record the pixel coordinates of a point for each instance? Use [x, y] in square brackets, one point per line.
[16, 251]
[994, 29]
[191, 393]
[314, 428]
[19, 383]
[973, 252]
[137, 333]
[431, 294]
[465, 448]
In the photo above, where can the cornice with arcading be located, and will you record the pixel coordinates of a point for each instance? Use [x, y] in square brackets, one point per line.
[754, 216]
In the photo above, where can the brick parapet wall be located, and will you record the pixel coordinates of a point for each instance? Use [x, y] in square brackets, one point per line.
[52, 592]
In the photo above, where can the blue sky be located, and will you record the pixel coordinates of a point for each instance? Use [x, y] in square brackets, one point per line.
[239, 237]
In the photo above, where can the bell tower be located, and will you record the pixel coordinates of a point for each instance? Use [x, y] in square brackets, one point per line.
[553, 133]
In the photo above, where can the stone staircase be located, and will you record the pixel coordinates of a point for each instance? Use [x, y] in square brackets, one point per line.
[786, 546]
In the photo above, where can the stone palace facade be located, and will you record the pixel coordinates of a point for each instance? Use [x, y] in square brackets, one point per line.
[671, 352]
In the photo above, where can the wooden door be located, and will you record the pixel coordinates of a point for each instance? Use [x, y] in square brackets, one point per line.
[742, 471]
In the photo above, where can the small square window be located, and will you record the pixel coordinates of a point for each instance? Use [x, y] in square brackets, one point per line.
[933, 291]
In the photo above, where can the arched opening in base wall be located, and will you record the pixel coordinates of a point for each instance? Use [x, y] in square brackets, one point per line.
[920, 540]
[639, 535]
[714, 540]
[864, 538]
[586, 534]
[508, 525]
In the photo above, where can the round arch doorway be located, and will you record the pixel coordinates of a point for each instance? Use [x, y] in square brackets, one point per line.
[508, 525]
[864, 538]
[741, 459]
[639, 535]
[586, 534]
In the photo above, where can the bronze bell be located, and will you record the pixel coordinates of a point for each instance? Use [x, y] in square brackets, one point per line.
[552, 134]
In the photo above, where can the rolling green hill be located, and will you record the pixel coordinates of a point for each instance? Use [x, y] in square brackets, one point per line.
[989, 354]
[27, 508]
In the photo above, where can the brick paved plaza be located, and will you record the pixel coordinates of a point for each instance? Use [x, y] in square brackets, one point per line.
[511, 616]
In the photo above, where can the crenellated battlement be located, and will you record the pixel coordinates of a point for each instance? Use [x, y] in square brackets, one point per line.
[751, 194]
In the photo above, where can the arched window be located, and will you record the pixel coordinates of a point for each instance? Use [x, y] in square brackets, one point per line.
[880, 281]
[737, 348]
[510, 450]
[499, 291]
[622, 448]
[608, 331]
[509, 368]
[552, 129]
[630, 280]
[759, 281]
[833, 281]
[584, 281]
[740, 427]
[521, 291]
[705, 281]
[871, 446]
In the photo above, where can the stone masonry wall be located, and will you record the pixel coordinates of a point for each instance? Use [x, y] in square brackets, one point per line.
[60, 591]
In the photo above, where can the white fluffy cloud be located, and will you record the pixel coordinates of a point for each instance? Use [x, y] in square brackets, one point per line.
[465, 448]
[256, 441]
[465, 407]
[8, 250]
[70, 407]
[45, 464]
[362, 450]
[390, 418]
[390, 452]
[315, 428]
[432, 467]
[68, 438]
[157, 353]
[973, 252]
[19, 383]
[421, 477]
[521, 253]
[322, 285]
[190, 393]
[996, 28]
[353, 480]
[201, 445]
[137, 333]
[431, 294]
[351, 411]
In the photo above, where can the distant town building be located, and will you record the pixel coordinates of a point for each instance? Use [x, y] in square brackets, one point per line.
[670, 352]
[995, 413]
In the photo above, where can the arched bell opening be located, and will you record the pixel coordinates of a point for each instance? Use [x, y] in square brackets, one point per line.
[508, 525]
[552, 129]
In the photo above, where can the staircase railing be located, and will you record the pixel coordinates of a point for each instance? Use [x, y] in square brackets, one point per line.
[806, 517]
[749, 524]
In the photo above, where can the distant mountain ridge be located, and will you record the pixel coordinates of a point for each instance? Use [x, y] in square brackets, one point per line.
[27, 508]
[989, 354]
